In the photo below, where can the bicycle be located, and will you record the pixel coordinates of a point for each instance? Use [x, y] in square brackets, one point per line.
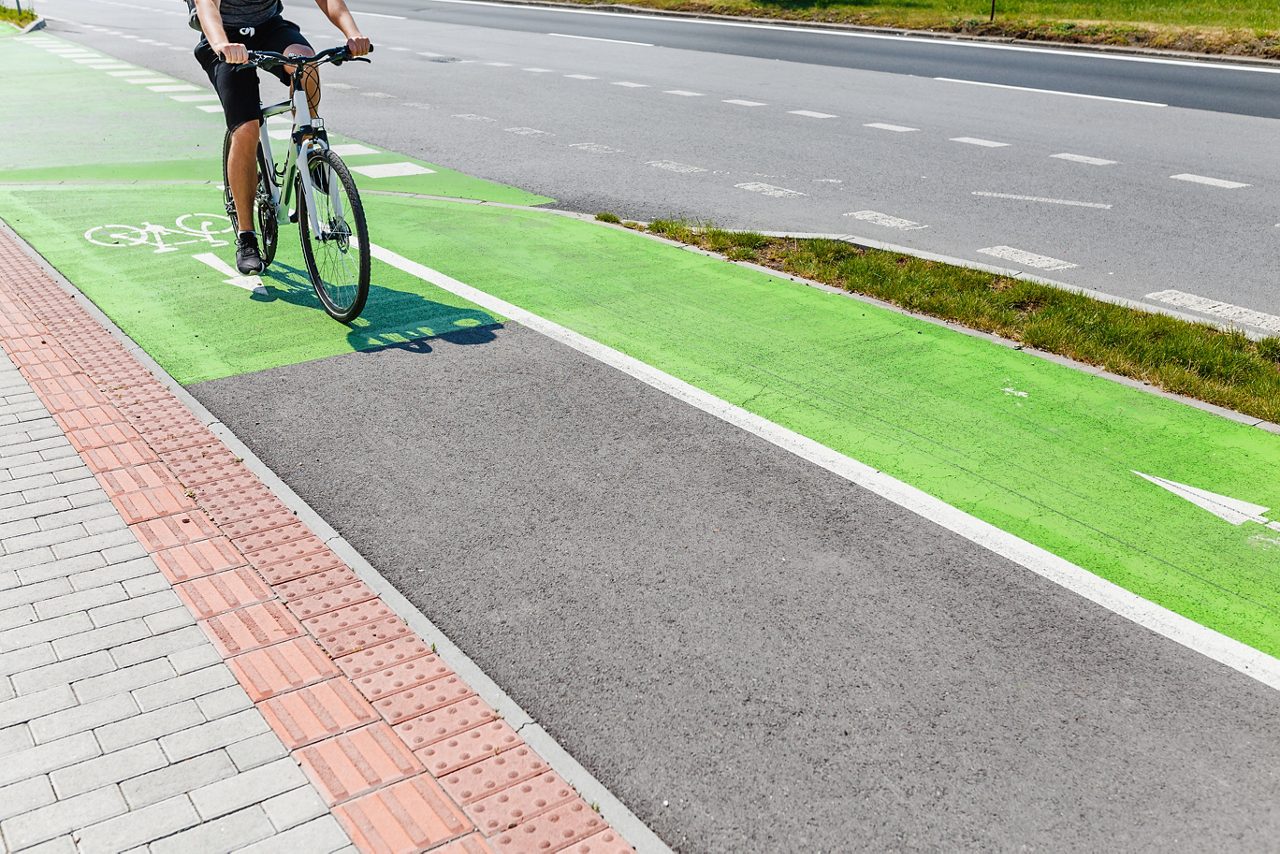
[329, 228]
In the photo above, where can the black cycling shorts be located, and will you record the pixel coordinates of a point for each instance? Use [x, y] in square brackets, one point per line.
[238, 89]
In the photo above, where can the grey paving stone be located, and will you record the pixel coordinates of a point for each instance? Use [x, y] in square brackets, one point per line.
[83, 718]
[247, 788]
[92, 512]
[224, 702]
[6, 690]
[24, 484]
[25, 559]
[81, 600]
[58, 845]
[14, 617]
[116, 572]
[64, 487]
[43, 630]
[168, 620]
[210, 736]
[25, 796]
[100, 639]
[108, 768]
[26, 658]
[22, 709]
[29, 593]
[94, 543]
[58, 537]
[123, 679]
[139, 827]
[70, 568]
[44, 758]
[321, 835]
[144, 584]
[147, 726]
[143, 606]
[256, 751]
[9, 579]
[295, 807]
[128, 551]
[219, 836]
[15, 535]
[185, 687]
[104, 525]
[187, 660]
[16, 738]
[159, 645]
[62, 817]
[87, 497]
[30, 510]
[63, 672]
[46, 466]
[179, 778]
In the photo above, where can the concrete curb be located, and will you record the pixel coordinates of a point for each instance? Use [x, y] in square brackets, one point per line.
[1122, 50]
[37, 24]
[592, 790]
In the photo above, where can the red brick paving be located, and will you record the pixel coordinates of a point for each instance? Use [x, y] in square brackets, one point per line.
[329, 664]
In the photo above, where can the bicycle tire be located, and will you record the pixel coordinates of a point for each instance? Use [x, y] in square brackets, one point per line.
[268, 224]
[342, 301]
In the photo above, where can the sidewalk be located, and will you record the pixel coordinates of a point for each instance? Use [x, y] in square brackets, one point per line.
[185, 666]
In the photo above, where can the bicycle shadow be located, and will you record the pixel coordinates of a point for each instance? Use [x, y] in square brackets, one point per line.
[392, 319]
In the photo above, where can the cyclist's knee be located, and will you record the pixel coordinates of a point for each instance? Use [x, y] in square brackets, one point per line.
[299, 50]
[245, 131]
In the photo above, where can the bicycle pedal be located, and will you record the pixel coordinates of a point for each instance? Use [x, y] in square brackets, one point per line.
[293, 216]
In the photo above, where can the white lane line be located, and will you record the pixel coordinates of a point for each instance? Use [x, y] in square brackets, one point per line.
[392, 170]
[430, 54]
[1042, 199]
[175, 87]
[399, 49]
[889, 127]
[627, 84]
[377, 94]
[1083, 158]
[1181, 630]
[147, 81]
[497, 64]
[342, 86]
[352, 149]
[216, 108]
[595, 39]
[1051, 92]
[595, 148]
[278, 133]
[472, 117]
[537, 70]
[810, 114]
[739, 102]
[253, 284]
[981, 143]
[194, 99]
[1028, 259]
[673, 166]
[884, 219]
[417, 105]
[1216, 308]
[581, 77]
[525, 131]
[365, 14]
[1210, 182]
[684, 93]
[769, 190]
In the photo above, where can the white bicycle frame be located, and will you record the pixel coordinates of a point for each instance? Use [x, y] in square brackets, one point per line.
[298, 153]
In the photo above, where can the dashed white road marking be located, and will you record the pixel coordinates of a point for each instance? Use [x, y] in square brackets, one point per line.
[352, 149]
[215, 108]
[194, 99]
[981, 143]
[392, 170]
[175, 87]
[595, 148]
[581, 77]
[627, 84]
[769, 190]
[280, 133]
[889, 127]
[1211, 182]
[252, 284]
[742, 103]
[377, 94]
[538, 70]
[430, 54]
[810, 114]
[381, 15]
[146, 81]
[1216, 308]
[1082, 158]
[342, 86]
[1028, 259]
[417, 105]
[472, 117]
[525, 131]
[132, 72]
[684, 93]
[595, 39]
[497, 64]
[886, 220]
[1042, 199]
[673, 166]
[398, 49]
[1051, 92]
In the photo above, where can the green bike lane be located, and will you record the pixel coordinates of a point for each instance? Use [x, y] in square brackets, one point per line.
[1047, 453]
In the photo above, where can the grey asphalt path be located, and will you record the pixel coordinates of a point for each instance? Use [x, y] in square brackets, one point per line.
[1128, 228]
[751, 653]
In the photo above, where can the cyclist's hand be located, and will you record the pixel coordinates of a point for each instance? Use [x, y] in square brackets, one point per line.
[233, 54]
[358, 45]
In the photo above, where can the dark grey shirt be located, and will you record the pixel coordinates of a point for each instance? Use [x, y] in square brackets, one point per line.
[248, 13]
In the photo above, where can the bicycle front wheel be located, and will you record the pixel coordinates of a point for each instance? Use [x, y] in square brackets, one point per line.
[337, 259]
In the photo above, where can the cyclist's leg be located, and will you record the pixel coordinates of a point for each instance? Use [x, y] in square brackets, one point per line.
[238, 91]
[242, 170]
[283, 36]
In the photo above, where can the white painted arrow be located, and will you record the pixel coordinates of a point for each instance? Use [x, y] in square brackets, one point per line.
[249, 283]
[1227, 509]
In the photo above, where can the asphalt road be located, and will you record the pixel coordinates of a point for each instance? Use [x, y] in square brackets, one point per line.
[517, 95]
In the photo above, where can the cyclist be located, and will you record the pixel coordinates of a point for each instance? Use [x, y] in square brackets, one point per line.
[229, 30]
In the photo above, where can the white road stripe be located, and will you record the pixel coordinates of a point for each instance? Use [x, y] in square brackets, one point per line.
[472, 117]
[365, 14]
[581, 77]
[877, 218]
[673, 166]
[889, 127]
[428, 53]
[383, 95]
[1067, 202]
[982, 143]
[341, 86]
[684, 93]
[594, 39]
[537, 70]
[525, 131]
[1051, 92]
[1081, 158]
[398, 49]
[1232, 653]
[215, 108]
[175, 87]
[769, 190]
[1027, 259]
[147, 81]
[629, 85]
[352, 149]
[497, 64]
[253, 284]
[392, 170]
[741, 103]
[194, 99]
[595, 148]
[1211, 182]
[1215, 308]
[810, 114]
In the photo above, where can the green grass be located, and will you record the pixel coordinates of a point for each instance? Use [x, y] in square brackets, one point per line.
[1198, 360]
[13, 16]
[1244, 27]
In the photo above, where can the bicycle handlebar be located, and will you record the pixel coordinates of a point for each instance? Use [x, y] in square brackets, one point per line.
[271, 59]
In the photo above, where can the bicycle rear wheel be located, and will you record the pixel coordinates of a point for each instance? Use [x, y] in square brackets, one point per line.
[338, 259]
[263, 204]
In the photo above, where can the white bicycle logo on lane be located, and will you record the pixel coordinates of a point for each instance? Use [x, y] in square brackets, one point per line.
[187, 229]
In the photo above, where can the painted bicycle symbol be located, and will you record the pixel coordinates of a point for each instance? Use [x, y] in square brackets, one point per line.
[187, 229]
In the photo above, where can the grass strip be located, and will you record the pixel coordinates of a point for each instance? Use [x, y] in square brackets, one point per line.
[1199, 360]
[14, 16]
[1243, 28]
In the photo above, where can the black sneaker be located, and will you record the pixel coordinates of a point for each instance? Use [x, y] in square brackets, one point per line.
[248, 258]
